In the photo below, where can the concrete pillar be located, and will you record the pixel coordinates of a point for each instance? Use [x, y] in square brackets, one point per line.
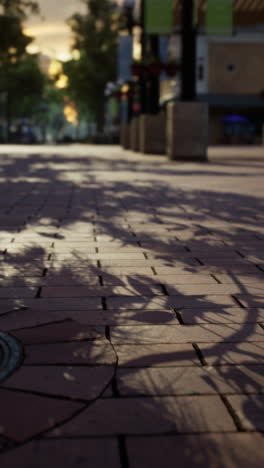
[152, 133]
[134, 134]
[125, 135]
[187, 131]
[216, 129]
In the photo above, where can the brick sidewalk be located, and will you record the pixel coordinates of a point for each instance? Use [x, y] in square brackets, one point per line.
[135, 287]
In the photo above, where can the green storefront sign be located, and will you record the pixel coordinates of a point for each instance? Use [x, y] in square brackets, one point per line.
[158, 16]
[219, 17]
[113, 108]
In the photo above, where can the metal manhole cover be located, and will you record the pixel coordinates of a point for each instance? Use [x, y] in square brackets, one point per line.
[11, 355]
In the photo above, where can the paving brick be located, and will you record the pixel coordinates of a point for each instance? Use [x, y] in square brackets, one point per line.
[199, 234]
[137, 302]
[156, 415]
[18, 292]
[65, 280]
[186, 279]
[164, 334]
[6, 237]
[74, 263]
[12, 220]
[34, 257]
[81, 230]
[254, 244]
[157, 248]
[169, 260]
[84, 291]
[157, 355]
[222, 315]
[31, 414]
[207, 252]
[35, 237]
[108, 237]
[139, 317]
[206, 289]
[19, 244]
[214, 450]
[127, 271]
[77, 244]
[20, 282]
[230, 269]
[67, 250]
[126, 263]
[80, 383]
[250, 410]
[91, 303]
[197, 302]
[97, 453]
[85, 353]
[251, 301]
[117, 244]
[104, 257]
[22, 270]
[190, 380]
[58, 332]
[114, 230]
[207, 244]
[256, 258]
[255, 279]
[150, 227]
[109, 248]
[33, 318]
[133, 282]
[223, 261]
[28, 250]
[86, 270]
[233, 353]
[164, 244]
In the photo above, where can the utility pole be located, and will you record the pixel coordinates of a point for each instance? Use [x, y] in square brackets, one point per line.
[142, 80]
[154, 81]
[187, 127]
[149, 85]
[188, 37]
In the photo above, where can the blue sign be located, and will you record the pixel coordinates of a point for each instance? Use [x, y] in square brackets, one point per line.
[235, 119]
[163, 53]
[125, 56]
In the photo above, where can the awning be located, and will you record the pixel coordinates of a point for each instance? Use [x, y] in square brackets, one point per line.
[245, 12]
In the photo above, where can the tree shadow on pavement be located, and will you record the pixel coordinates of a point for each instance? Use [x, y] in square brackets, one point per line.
[139, 303]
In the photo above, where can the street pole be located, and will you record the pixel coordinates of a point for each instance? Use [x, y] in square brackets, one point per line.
[154, 81]
[187, 124]
[149, 86]
[142, 80]
[188, 37]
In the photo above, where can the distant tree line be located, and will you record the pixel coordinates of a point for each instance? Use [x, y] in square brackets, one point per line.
[21, 80]
[95, 38]
[24, 88]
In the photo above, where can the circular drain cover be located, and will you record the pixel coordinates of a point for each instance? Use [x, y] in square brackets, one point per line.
[11, 354]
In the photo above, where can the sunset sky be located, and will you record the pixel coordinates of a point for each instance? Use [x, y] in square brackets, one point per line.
[52, 35]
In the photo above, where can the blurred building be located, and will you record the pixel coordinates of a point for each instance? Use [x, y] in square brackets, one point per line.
[230, 73]
[229, 68]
